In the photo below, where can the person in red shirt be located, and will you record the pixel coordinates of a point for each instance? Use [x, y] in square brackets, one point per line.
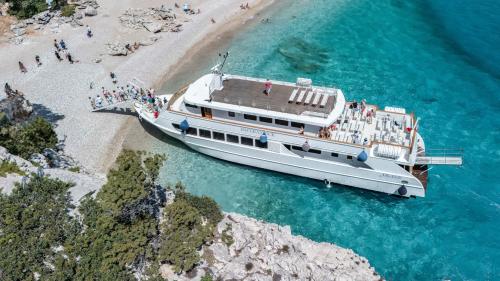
[268, 85]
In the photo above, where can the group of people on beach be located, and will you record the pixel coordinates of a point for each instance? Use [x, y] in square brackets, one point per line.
[23, 68]
[62, 49]
[129, 92]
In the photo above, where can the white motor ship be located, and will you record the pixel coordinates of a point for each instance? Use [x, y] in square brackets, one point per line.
[299, 129]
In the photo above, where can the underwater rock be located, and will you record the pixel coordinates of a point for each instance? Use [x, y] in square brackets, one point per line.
[302, 55]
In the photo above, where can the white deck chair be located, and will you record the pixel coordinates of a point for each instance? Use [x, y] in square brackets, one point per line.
[301, 96]
[324, 100]
[317, 97]
[309, 97]
[294, 94]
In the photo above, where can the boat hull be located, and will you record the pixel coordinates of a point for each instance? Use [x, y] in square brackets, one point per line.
[299, 166]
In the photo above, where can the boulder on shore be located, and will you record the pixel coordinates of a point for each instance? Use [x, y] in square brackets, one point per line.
[90, 11]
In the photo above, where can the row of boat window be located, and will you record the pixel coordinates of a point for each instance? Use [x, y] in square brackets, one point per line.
[223, 137]
[269, 120]
[247, 141]
[280, 122]
[314, 151]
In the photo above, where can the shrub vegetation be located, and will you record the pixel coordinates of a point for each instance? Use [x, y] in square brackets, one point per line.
[32, 137]
[116, 232]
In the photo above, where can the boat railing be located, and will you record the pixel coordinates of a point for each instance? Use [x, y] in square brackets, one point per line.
[176, 96]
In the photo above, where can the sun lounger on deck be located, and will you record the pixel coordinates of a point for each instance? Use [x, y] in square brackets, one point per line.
[324, 100]
[317, 97]
[294, 94]
[301, 96]
[309, 97]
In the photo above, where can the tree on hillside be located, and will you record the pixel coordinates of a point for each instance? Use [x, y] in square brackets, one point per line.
[34, 223]
[118, 231]
[32, 137]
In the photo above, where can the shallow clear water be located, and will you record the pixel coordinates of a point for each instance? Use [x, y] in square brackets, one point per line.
[439, 59]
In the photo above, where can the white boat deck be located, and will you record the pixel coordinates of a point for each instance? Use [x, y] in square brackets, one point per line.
[385, 127]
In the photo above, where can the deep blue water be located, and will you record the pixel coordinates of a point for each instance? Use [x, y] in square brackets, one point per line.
[438, 58]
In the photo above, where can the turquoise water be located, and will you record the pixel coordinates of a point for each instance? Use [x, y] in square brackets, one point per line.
[438, 58]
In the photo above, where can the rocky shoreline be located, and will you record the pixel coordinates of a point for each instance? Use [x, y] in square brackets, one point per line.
[243, 249]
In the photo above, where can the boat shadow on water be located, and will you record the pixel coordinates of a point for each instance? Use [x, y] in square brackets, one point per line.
[316, 185]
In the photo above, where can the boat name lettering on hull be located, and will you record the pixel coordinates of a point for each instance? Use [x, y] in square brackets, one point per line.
[256, 131]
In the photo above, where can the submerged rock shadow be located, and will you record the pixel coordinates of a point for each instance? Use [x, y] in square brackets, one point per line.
[302, 55]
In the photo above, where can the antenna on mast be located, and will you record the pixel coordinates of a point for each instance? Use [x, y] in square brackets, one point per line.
[224, 61]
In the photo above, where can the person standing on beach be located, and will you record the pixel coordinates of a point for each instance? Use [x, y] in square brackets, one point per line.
[8, 89]
[89, 32]
[22, 68]
[70, 59]
[113, 77]
[37, 59]
[92, 103]
[56, 52]
[62, 44]
[56, 45]
[267, 87]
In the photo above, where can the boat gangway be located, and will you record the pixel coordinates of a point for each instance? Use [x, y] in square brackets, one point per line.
[443, 156]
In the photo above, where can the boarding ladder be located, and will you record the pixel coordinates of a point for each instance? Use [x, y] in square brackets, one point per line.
[442, 156]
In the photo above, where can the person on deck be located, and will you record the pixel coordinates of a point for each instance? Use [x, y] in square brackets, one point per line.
[267, 87]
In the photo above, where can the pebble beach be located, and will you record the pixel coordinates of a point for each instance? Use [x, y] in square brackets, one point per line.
[61, 91]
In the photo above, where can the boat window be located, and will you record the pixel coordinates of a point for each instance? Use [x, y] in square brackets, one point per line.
[260, 145]
[266, 119]
[176, 126]
[232, 138]
[190, 105]
[205, 133]
[218, 136]
[349, 157]
[334, 154]
[192, 131]
[297, 125]
[281, 122]
[287, 146]
[231, 114]
[250, 117]
[297, 148]
[247, 141]
[315, 151]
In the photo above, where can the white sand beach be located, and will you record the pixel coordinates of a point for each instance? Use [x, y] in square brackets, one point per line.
[61, 89]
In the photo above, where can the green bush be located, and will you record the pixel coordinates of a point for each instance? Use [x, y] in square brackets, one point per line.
[68, 10]
[10, 168]
[34, 219]
[24, 9]
[31, 138]
[207, 207]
